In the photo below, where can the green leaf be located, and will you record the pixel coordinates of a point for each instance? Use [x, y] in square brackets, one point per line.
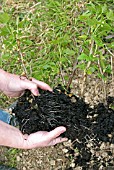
[91, 70]
[5, 56]
[84, 17]
[112, 44]
[82, 66]
[4, 18]
[69, 52]
[61, 40]
[92, 21]
[104, 8]
[106, 27]
[98, 41]
[84, 37]
[92, 8]
[110, 15]
[101, 76]
[28, 42]
[4, 31]
[82, 57]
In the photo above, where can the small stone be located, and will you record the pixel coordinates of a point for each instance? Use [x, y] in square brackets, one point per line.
[104, 154]
[65, 150]
[67, 143]
[95, 115]
[24, 168]
[72, 165]
[76, 154]
[112, 146]
[52, 162]
[110, 135]
[18, 158]
[103, 146]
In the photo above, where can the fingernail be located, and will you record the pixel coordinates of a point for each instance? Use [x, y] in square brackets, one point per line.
[35, 92]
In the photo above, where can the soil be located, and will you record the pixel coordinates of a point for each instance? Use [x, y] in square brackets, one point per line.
[90, 129]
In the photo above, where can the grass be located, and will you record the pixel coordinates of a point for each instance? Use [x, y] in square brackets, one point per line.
[10, 157]
[43, 39]
[50, 39]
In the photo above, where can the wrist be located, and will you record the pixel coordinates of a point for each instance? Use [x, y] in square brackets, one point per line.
[11, 136]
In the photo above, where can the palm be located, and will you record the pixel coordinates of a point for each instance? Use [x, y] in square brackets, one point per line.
[44, 138]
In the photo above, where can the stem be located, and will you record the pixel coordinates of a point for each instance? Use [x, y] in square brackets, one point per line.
[73, 72]
[112, 62]
[88, 65]
[61, 73]
[21, 58]
[104, 84]
[72, 75]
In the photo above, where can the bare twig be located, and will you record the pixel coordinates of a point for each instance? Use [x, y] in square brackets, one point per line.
[21, 58]
[112, 62]
[88, 65]
[61, 74]
[73, 71]
[72, 75]
[104, 84]
[35, 5]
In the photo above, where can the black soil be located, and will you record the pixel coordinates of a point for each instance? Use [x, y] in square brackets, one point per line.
[87, 127]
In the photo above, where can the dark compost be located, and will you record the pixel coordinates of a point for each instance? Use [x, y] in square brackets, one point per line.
[88, 127]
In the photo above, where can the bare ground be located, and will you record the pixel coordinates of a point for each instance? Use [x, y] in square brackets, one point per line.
[57, 157]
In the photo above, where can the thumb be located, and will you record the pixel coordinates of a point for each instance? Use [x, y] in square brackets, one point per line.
[56, 132]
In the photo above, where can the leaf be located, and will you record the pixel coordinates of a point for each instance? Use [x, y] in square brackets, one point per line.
[28, 42]
[112, 45]
[4, 31]
[104, 8]
[91, 70]
[84, 37]
[106, 27]
[4, 18]
[69, 52]
[110, 15]
[61, 40]
[98, 41]
[82, 66]
[92, 8]
[82, 57]
[92, 21]
[5, 56]
[84, 17]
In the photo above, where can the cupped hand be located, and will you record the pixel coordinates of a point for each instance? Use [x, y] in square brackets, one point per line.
[44, 138]
[12, 137]
[14, 85]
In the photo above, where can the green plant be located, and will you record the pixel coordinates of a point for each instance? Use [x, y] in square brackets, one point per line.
[11, 155]
[96, 24]
[45, 39]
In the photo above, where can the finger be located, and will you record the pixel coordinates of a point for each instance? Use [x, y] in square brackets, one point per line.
[42, 85]
[57, 140]
[25, 136]
[56, 132]
[27, 84]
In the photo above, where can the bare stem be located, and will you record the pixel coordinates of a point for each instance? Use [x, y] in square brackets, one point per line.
[112, 63]
[85, 71]
[104, 84]
[61, 74]
[21, 58]
[72, 75]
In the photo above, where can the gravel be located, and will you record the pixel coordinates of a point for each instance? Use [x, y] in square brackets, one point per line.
[58, 157]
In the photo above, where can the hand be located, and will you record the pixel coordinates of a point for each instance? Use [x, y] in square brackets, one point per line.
[12, 137]
[13, 85]
[44, 138]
